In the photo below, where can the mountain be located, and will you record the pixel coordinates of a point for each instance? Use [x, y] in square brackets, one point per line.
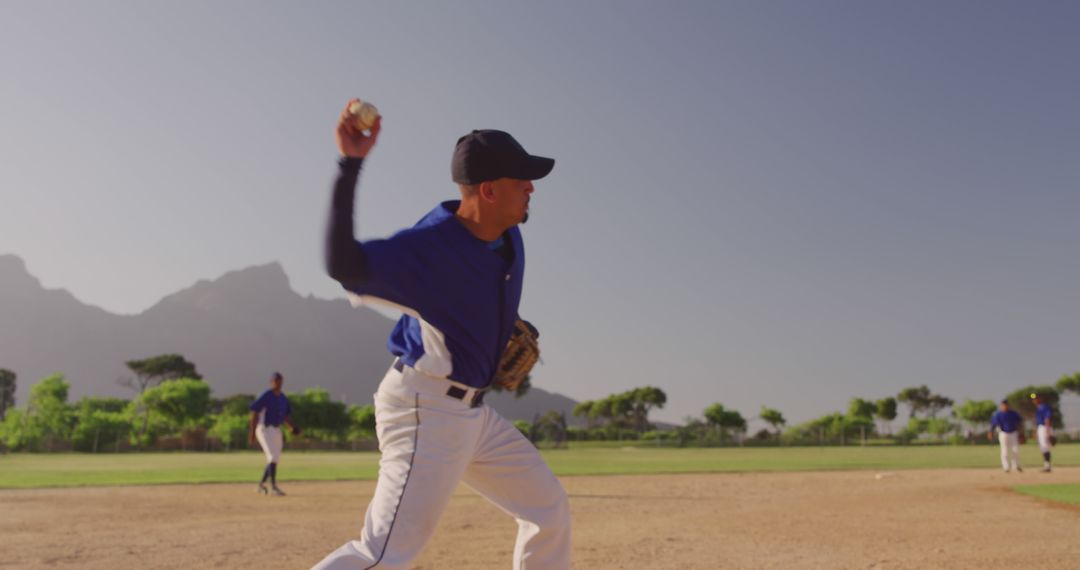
[237, 329]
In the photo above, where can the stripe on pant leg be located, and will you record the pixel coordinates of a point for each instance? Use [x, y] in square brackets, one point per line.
[401, 497]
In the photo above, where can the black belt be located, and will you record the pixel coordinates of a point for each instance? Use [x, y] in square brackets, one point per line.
[453, 391]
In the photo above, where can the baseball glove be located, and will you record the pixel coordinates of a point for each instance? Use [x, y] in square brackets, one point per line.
[521, 354]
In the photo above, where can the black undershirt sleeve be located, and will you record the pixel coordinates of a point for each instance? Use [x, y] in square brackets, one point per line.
[345, 258]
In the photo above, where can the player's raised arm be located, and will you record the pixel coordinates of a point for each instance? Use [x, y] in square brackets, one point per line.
[345, 258]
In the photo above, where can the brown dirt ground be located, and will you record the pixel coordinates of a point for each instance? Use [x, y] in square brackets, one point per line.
[912, 519]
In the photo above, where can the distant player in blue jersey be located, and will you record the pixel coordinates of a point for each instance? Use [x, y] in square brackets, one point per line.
[1044, 429]
[1010, 428]
[268, 413]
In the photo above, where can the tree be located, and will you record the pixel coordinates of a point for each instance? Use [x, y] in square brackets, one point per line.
[230, 429]
[714, 414]
[921, 399]
[774, 418]
[550, 427]
[613, 410]
[235, 405]
[937, 403]
[46, 420]
[584, 410]
[230, 419]
[724, 419]
[886, 410]
[860, 408]
[99, 422]
[13, 430]
[860, 418]
[7, 391]
[601, 411]
[524, 427]
[319, 416]
[939, 427]
[361, 422]
[181, 404]
[976, 413]
[628, 409]
[693, 429]
[152, 371]
[917, 399]
[835, 426]
[642, 401]
[914, 428]
[1069, 383]
[521, 390]
[1021, 401]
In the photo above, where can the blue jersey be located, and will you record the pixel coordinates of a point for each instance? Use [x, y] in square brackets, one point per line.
[1042, 414]
[1009, 421]
[459, 296]
[275, 408]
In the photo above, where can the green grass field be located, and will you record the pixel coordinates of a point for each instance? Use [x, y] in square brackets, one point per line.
[1059, 492]
[73, 470]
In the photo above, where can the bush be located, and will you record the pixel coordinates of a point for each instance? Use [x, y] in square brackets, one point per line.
[524, 427]
[577, 434]
[230, 429]
[101, 422]
[319, 416]
[45, 423]
[597, 434]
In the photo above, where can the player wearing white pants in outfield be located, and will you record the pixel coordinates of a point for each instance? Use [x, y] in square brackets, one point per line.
[1044, 429]
[457, 277]
[268, 412]
[271, 441]
[1010, 450]
[1010, 427]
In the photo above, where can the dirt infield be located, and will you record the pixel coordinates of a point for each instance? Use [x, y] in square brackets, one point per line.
[853, 519]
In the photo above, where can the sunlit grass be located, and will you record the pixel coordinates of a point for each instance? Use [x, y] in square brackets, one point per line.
[1061, 492]
[23, 470]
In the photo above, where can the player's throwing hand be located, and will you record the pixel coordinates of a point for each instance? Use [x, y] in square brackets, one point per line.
[351, 141]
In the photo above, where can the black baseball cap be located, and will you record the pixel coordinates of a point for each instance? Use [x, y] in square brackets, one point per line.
[489, 155]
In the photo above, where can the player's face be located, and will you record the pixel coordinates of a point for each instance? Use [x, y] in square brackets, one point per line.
[1003, 407]
[512, 199]
[275, 384]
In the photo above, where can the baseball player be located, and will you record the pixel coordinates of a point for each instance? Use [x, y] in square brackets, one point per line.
[1010, 428]
[457, 277]
[1044, 429]
[268, 412]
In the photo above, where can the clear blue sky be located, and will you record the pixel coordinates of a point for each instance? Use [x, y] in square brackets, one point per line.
[782, 203]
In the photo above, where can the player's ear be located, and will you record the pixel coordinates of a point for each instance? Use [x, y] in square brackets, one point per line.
[487, 191]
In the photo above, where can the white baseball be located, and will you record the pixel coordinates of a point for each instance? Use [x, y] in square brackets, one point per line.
[365, 114]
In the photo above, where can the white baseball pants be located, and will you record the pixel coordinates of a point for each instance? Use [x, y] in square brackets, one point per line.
[429, 442]
[1042, 434]
[1010, 447]
[270, 440]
